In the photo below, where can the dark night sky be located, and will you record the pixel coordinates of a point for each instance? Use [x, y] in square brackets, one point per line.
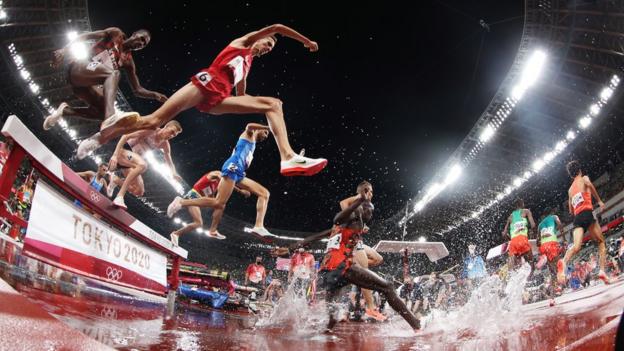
[388, 97]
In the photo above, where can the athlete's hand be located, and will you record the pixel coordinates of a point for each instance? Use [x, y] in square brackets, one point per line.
[112, 163]
[365, 229]
[312, 45]
[160, 97]
[57, 58]
[602, 206]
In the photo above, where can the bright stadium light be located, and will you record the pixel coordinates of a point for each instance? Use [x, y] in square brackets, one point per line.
[584, 122]
[24, 73]
[500, 196]
[517, 182]
[549, 156]
[177, 220]
[453, 174]
[72, 35]
[79, 50]
[606, 94]
[487, 133]
[434, 190]
[560, 146]
[527, 174]
[419, 206]
[508, 190]
[530, 74]
[3, 15]
[615, 80]
[594, 109]
[538, 165]
[422, 239]
[34, 87]
[571, 135]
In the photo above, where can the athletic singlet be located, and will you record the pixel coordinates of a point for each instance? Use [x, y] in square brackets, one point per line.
[519, 224]
[340, 247]
[95, 184]
[108, 51]
[548, 230]
[206, 186]
[231, 65]
[146, 143]
[581, 200]
[243, 153]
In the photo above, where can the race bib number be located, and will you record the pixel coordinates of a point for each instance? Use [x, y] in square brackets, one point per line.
[548, 231]
[519, 226]
[577, 200]
[334, 242]
[203, 77]
[237, 64]
[93, 65]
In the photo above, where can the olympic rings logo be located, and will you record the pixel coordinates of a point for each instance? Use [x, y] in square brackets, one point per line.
[113, 273]
[95, 197]
[109, 313]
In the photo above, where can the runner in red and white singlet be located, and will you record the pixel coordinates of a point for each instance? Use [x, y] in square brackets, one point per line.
[111, 53]
[210, 91]
[580, 205]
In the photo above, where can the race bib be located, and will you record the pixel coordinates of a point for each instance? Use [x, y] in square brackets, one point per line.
[103, 58]
[334, 242]
[237, 64]
[93, 65]
[256, 277]
[203, 77]
[547, 231]
[519, 226]
[577, 200]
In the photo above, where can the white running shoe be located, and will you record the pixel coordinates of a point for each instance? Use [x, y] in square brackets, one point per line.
[88, 145]
[119, 202]
[174, 206]
[299, 165]
[174, 239]
[120, 119]
[261, 231]
[53, 118]
[215, 235]
[110, 188]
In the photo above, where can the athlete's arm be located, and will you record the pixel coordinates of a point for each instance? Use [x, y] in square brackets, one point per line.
[86, 175]
[59, 54]
[344, 215]
[506, 229]
[137, 88]
[167, 154]
[281, 29]
[346, 202]
[570, 205]
[593, 191]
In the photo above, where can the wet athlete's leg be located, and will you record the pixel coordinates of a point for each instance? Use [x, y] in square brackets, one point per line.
[224, 191]
[361, 258]
[331, 301]
[552, 268]
[271, 107]
[95, 101]
[596, 234]
[195, 213]
[528, 257]
[82, 76]
[263, 198]
[365, 278]
[578, 241]
[137, 166]
[374, 258]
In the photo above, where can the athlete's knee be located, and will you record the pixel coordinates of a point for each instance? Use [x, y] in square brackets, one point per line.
[220, 205]
[273, 104]
[264, 193]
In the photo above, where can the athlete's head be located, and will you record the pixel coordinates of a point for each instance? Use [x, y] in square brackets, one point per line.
[519, 203]
[258, 259]
[366, 189]
[261, 134]
[138, 40]
[574, 168]
[102, 169]
[170, 130]
[264, 45]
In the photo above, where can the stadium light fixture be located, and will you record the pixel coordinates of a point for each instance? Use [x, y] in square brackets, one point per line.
[538, 165]
[453, 174]
[79, 50]
[549, 156]
[594, 109]
[571, 135]
[72, 35]
[422, 239]
[606, 94]
[531, 72]
[487, 133]
[560, 146]
[585, 122]
[177, 220]
[3, 15]
[34, 87]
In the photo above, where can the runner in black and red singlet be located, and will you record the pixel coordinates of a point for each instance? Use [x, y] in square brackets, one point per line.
[210, 91]
[111, 53]
[580, 204]
[338, 268]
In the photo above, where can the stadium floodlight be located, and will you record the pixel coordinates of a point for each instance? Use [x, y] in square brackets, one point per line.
[3, 14]
[594, 109]
[571, 135]
[517, 182]
[500, 196]
[538, 165]
[34, 87]
[422, 239]
[25, 74]
[508, 190]
[527, 174]
[615, 80]
[474, 214]
[419, 206]
[531, 72]
[584, 122]
[487, 133]
[606, 94]
[560, 146]
[79, 50]
[45, 102]
[72, 35]
[453, 174]
[177, 220]
[549, 156]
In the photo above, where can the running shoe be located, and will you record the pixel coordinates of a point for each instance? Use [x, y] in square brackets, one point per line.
[174, 206]
[561, 267]
[261, 231]
[88, 145]
[120, 119]
[604, 277]
[174, 238]
[110, 188]
[376, 315]
[53, 118]
[299, 165]
[215, 235]
[119, 202]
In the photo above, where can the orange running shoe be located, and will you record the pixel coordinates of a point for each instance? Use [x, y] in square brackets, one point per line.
[375, 315]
